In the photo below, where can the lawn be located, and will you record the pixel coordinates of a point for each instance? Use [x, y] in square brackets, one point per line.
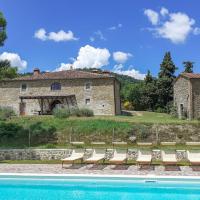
[149, 117]
[102, 128]
[142, 117]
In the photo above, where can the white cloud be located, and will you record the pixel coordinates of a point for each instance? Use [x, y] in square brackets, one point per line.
[129, 72]
[55, 36]
[196, 31]
[113, 28]
[41, 34]
[152, 16]
[164, 11]
[64, 66]
[121, 57]
[175, 28]
[15, 60]
[97, 35]
[100, 35]
[89, 57]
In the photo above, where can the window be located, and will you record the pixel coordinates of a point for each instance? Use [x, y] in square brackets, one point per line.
[87, 101]
[88, 86]
[56, 86]
[23, 87]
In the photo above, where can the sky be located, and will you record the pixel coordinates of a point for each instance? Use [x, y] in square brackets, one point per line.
[124, 36]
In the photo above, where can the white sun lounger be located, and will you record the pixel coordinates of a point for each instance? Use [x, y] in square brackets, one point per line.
[75, 155]
[168, 158]
[193, 157]
[192, 143]
[168, 143]
[144, 158]
[97, 156]
[118, 157]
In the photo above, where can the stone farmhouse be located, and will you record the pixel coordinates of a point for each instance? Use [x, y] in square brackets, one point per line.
[187, 95]
[40, 93]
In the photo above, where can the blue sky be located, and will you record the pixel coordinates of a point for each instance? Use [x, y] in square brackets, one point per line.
[124, 36]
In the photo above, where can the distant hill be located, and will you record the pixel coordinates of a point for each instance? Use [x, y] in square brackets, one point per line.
[124, 79]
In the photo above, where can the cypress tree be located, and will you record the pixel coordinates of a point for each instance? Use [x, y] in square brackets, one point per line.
[148, 78]
[165, 80]
[3, 24]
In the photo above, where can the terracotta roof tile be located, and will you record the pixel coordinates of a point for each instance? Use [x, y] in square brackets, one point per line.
[190, 75]
[68, 74]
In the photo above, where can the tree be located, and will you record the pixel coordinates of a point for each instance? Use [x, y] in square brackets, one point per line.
[136, 96]
[165, 80]
[188, 66]
[6, 71]
[148, 78]
[167, 67]
[3, 24]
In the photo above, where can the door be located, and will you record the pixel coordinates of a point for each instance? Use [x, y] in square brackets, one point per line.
[22, 108]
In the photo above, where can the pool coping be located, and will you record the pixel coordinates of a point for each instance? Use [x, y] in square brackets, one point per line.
[149, 176]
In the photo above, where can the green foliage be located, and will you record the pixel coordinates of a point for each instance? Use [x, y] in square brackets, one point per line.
[61, 112]
[165, 80]
[160, 110]
[6, 113]
[188, 66]
[3, 24]
[167, 67]
[136, 95]
[128, 105]
[174, 112]
[10, 130]
[141, 131]
[6, 71]
[149, 78]
[84, 112]
[42, 133]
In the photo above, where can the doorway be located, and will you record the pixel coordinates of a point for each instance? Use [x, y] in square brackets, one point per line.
[22, 108]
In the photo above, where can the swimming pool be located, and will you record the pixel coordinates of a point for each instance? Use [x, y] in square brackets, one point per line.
[97, 188]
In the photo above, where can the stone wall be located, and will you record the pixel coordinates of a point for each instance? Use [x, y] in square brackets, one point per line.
[101, 94]
[117, 98]
[57, 154]
[181, 95]
[196, 97]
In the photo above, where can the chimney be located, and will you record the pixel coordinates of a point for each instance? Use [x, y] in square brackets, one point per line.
[106, 72]
[36, 71]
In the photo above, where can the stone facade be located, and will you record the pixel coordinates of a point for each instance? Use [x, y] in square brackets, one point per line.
[187, 95]
[181, 97]
[102, 96]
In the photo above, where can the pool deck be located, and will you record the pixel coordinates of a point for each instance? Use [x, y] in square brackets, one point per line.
[105, 170]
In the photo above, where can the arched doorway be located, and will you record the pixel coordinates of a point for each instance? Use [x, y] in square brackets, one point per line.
[55, 104]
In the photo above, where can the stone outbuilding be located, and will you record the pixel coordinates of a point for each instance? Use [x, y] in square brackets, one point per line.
[40, 93]
[187, 95]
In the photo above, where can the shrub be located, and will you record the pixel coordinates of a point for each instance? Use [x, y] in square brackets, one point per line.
[61, 112]
[173, 112]
[128, 105]
[141, 132]
[10, 130]
[42, 133]
[160, 110]
[74, 111]
[84, 112]
[6, 113]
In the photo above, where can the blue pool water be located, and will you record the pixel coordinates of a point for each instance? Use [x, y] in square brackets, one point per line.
[39, 188]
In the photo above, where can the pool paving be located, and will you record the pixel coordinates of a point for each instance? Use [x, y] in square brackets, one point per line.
[95, 169]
